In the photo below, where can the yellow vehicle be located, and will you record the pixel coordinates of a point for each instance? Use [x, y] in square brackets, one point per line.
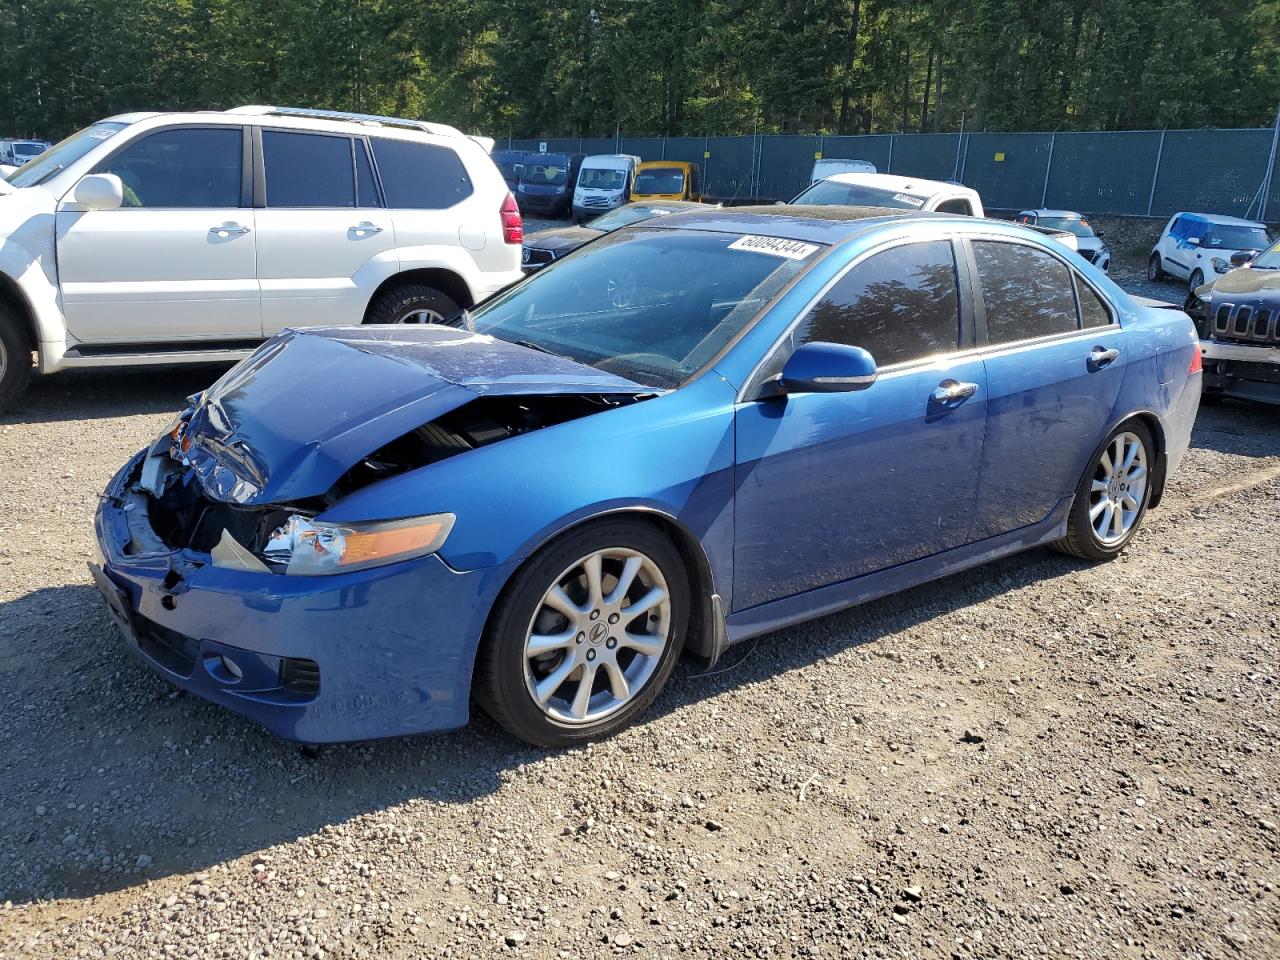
[667, 180]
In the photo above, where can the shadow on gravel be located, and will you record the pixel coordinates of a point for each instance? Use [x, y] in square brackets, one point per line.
[110, 777]
[1238, 427]
[111, 392]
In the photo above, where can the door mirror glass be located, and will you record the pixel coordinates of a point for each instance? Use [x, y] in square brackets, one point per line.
[99, 191]
[818, 367]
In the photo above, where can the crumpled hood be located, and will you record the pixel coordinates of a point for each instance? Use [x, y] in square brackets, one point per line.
[1249, 282]
[308, 405]
[562, 238]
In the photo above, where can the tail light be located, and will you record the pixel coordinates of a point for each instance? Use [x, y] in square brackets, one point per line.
[512, 225]
[1197, 361]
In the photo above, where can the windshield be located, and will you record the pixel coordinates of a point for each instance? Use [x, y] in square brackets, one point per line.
[552, 171]
[62, 155]
[660, 180]
[625, 216]
[1270, 260]
[1218, 236]
[1080, 228]
[648, 304]
[856, 195]
[595, 178]
[27, 149]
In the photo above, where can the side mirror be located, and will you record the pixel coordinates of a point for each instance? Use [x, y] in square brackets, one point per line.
[1193, 241]
[1099, 234]
[827, 368]
[1242, 258]
[99, 191]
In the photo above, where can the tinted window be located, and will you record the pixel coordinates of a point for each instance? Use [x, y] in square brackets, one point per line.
[420, 176]
[180, 168]
[900, 305]
[1093, 311]
[308, 170]
[366, 188]
[1027, 292]
[956, 206]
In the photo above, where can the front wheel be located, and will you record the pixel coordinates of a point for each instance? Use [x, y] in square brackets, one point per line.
[585, 635]
[1155, 269]
[1112, 497]
[15, 359]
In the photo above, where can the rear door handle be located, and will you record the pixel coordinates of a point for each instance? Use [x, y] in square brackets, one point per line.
[365, 229]
[1100, 357]
[950, 391]
[228, 229]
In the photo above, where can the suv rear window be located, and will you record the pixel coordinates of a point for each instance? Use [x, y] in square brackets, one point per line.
[420, 176]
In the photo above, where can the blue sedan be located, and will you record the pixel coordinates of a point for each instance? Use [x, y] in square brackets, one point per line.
[690, 432]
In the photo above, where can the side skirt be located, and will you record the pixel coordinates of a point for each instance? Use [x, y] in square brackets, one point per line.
[849, 593]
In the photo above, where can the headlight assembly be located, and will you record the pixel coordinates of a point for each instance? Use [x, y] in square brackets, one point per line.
[1222, 266]
[311, 548]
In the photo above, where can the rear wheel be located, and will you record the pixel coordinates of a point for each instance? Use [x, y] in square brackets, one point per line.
[1197, 279]
[1155, 269]
[586, 634]
[15, 358]
[1112, 497]
[411, 303]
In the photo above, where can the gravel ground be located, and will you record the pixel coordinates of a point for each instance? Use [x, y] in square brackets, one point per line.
[1039, 758]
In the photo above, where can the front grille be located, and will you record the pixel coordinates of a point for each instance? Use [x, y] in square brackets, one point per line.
[600, 202]
[1245, 324]
[532, 255]
[172, 650]
[1090, 255]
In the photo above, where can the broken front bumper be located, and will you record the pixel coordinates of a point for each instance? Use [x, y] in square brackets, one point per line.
[379, 652]
[1241, 370]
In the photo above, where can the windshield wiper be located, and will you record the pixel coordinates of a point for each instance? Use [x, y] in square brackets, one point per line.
[534, 346]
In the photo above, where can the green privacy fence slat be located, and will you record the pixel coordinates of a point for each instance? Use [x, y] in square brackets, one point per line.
[1140, 173]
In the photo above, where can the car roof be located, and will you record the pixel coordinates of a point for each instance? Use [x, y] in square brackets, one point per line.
[1223, 220]
[891, 181]
[820, 224]
[1064, 214]
[664, 163]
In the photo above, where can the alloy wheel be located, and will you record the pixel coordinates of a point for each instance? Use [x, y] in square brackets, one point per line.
[597, 636]
[1119, 488]
[4, 361]
[420, 315]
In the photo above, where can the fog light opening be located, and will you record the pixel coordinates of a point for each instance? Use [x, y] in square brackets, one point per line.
[223, 669]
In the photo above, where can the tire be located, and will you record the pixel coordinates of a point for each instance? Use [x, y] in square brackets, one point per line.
[411, 303]
[1196, 280]
[15, 358]
[508, 670]
[1155, 269]
[1083, 539]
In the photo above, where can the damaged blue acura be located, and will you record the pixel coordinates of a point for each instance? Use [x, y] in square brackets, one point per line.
[687, 433]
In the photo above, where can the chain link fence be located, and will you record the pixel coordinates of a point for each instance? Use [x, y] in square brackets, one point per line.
[1152, 173]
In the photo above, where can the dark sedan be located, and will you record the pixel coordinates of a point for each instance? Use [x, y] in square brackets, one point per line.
[543, 247]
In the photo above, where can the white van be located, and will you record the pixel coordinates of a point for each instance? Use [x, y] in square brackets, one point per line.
[604, 183]
[827, 168]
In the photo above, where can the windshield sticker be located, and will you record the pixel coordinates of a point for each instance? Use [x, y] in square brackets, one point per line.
[909, 199]
[775, 246]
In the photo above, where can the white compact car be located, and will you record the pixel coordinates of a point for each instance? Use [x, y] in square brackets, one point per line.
[161, 238]
[1088, 243]
[888, 190]
[1198, 247]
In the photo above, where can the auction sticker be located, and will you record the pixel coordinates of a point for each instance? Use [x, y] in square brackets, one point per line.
[774, 246]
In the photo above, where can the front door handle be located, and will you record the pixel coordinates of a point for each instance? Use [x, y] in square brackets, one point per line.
[228, 229]
[366, 229]
[950, 391]
[1100, 357]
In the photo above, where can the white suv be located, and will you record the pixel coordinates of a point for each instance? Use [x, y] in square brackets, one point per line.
[1198, 247]
[161, 238]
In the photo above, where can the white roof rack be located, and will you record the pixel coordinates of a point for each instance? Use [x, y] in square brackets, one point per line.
[439, 129]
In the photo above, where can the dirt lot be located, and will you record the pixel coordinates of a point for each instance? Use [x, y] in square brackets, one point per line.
[1040, 758]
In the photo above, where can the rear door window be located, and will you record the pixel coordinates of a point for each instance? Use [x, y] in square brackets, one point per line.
[900, 305]
[420, 176]
[1027, 293]
[308, 170]
[1093, 311]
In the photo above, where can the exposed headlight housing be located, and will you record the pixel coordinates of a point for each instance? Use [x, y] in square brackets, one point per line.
[1221, 265]
[309, 547]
